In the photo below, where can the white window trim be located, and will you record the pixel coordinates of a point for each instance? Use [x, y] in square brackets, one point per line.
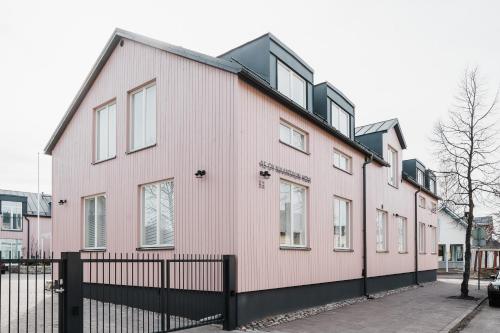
[11, 228]
[158, 216]
[348, 225]
[143, 88]
[85, 247]
[421, 202]
[290, 82]
[293, 129]
[434, 239]
[403, 220]
[393, 170]
[386, 232]
[422, 242]
[349, 161]
[96, 136]
[12, 242]
[420, 172]
[306, 240]
[348, 117]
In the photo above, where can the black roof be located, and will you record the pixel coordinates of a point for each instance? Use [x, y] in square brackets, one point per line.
[382, 126]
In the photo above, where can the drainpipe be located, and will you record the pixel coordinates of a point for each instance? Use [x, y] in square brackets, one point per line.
[368, 160]
[416, 235]
[28, 249]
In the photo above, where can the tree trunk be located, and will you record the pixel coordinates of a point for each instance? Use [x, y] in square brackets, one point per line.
[464, 288]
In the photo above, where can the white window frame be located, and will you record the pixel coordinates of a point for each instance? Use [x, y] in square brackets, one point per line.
[96, 237]
[385, 231]
[433, 239]
[103, 108]
[336, 111]
[158, 216]
[402, 224]
[421, 202]
[392, 170]
[11, 223]
[348, 223]
[293, 129]
[291, 76]
[292, 185]
[146, 144]
[420, 177]
[11, 243]
[432, 185]
[421, 238]
[346, 157]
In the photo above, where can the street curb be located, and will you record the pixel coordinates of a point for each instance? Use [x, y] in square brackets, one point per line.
[455, 324]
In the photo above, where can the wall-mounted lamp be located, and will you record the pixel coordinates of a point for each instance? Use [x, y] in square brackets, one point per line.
[200, 173]
[62, 202]
[265, 174]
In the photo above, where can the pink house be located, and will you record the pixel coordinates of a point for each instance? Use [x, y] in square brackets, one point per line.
[171, 151]
[19, 223]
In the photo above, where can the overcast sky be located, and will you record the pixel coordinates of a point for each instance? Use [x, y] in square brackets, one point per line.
[391, 58]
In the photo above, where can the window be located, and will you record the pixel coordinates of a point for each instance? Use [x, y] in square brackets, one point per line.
[105, 139]
[421, 201]
[157, 218]
[433, 207]
[292, 136]
[12, 215]
[341, 161]
[95, 222]
[433, 240]
[291, 85]
[340, 119]
[441, 252]
[432, 185]
[392, 170]
[402, 234]
[381, 231]
[420, 177]
[341, 223]
[143, 117]
[421, 237]
[456, 252]
[292, 214]
[10, 248]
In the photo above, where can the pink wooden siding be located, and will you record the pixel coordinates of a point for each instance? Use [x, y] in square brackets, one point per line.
[209, 119]
[194, 131]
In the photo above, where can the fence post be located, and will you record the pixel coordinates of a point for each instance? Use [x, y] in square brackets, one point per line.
[71, 306]
[229, 287]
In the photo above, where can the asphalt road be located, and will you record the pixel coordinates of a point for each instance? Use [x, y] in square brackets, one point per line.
[487, 320]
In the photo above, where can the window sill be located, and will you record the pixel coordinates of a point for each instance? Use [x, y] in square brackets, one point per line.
[393, 186]
[384, 251]
[105, 160]
[297, 149]
[13, 230]
[295, 248]
[343, 250]
[405, 252]
[128, 152]
[94, 250]
[155, 248]
[422, 253]
[336, 167]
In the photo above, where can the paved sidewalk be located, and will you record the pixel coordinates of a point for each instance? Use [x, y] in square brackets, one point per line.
[426, 309]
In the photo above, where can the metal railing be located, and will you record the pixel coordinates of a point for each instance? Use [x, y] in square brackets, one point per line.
[28, 296]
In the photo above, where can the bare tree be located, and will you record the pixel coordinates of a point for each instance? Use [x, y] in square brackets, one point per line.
[466, 147]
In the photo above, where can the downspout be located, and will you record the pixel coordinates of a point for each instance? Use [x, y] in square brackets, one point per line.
[368, 160]
[416, 235]
[28, 249]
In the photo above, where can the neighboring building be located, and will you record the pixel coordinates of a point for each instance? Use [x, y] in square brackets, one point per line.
[19, 224]
[482, 239]
[265, 164]
[452, 230]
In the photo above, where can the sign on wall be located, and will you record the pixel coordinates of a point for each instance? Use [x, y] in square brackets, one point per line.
[284, 171]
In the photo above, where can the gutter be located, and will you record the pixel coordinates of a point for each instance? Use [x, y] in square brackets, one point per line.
[367, 161]
[416, 235]
[28, 249]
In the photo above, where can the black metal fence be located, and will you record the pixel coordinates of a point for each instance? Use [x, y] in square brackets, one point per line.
[28, 297]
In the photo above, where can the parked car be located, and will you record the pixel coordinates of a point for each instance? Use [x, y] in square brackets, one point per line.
[3, 268]
[494, 290]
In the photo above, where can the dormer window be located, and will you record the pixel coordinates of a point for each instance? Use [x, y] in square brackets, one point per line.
[420, 177]
[340, 119]
[392, 171]
[291, 84]
[432, 185]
